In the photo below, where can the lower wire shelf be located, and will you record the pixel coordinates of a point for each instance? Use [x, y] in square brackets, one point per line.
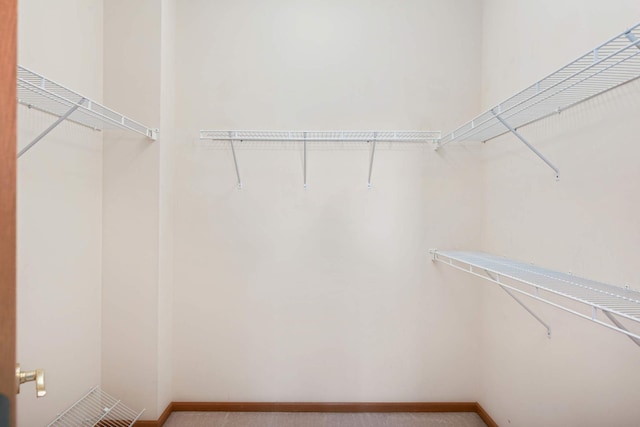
[552, 287]
[97, 408]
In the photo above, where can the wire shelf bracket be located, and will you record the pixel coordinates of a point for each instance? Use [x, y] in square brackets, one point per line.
[494, 278]
[560, 290]
[40, 93]
[305, 162]
[525, 142]
[97, 408]
[52, 127]
[373, 152]
[235, 159]
[607, 66]
[318, 136]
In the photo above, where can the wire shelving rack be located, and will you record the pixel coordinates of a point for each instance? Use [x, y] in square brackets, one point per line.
[609, 65]
[320, 136]
[366, 136]
[40, 93]
[97, 408]
[561, 290]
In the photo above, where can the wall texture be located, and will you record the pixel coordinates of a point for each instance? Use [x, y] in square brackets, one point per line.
[284, 294]
[585, 223]
[59, 212]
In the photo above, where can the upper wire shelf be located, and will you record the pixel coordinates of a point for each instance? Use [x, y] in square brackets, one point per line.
[320, 136]
[38, 92]
[97, 408]
[541, 283]
[609, 65]
[371, 136]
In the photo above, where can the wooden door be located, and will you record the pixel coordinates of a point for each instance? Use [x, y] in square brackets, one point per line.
[8, 66]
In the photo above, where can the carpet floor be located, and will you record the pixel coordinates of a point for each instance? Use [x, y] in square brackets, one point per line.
[314, 419]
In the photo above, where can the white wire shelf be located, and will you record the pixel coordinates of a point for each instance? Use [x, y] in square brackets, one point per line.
[607, 66]
[97, 408]
[320, 136]
[38, 92]
[366, 136]
[541, 284]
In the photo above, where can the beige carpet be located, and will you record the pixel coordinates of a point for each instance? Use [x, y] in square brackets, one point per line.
[314, 419]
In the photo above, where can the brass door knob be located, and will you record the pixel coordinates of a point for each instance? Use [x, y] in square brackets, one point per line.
[26, 376]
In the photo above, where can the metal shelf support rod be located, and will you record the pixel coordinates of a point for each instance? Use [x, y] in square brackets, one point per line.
[305, 161]
[235, 162]
[531, 147]
[523, 305]
[55, 124]
[373, 152]
[621, 326]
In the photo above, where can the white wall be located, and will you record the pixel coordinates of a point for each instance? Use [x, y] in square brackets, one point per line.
[325, 294]
[137, 262]
[284, 294]
[585, 223]
[131, 207]
[59, 212]
[166, 238]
